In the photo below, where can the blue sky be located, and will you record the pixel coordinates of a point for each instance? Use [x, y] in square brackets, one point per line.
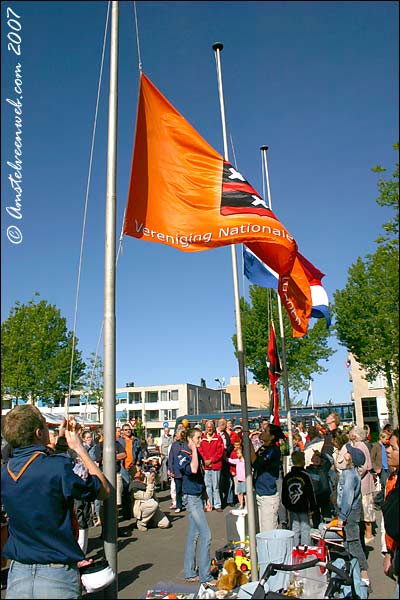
[315, 81]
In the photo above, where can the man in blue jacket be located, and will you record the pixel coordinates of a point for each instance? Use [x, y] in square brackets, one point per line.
[266, 462]
[38, 493]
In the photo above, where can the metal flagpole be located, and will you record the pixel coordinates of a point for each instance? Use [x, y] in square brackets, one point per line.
[284, 364]
[109, 464]
[242, 377]
[312, 395]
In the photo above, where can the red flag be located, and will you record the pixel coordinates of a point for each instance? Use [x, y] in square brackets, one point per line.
[274, 370]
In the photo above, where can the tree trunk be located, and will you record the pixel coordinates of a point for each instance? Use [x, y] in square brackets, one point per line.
[393, 409]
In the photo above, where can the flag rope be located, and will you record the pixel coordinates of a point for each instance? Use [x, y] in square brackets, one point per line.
[85, 209]
[140, 65]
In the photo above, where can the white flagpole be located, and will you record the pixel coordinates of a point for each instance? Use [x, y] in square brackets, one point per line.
[242, 376]
[109, 465]
[284, 365]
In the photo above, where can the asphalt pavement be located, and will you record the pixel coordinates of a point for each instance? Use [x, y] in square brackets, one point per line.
[147, 559]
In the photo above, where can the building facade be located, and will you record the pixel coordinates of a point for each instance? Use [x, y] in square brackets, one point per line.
[257, 396]
[162, 404]
[371, 407]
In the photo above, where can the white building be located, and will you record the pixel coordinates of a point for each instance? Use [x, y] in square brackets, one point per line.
[159, 404]
[154, 405]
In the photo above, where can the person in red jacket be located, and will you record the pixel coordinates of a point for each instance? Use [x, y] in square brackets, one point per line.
[212, 451]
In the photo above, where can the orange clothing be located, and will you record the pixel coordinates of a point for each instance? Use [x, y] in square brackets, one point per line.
[391, 544]
[128, 461]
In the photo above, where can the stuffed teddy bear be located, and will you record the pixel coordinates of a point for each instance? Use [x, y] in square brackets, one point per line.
[230, 576]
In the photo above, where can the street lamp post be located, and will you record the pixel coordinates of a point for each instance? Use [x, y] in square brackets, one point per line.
[221, 386]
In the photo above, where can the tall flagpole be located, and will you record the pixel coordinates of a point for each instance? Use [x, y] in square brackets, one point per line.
[109, 463]
[242, 376]
[284, 364]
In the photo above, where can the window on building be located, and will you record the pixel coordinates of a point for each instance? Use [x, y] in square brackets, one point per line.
[152, 415]
[74, 401]
[121, 397]
[378, 383]
[369, 407]
[135, 397]
[168, 414]
[164, 395]
[151, 396]
[135, 414]
[174, 395]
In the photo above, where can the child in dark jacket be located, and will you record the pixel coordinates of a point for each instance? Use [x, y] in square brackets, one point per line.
[322, 489]
[299, 499]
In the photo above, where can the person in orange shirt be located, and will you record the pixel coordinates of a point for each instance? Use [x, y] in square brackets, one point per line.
[391, 560]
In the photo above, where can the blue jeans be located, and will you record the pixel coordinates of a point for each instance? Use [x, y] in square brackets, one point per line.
[211, 479]
[301, 528]
[198, 531]
[178, 490]
[352, 538]
[43, 581]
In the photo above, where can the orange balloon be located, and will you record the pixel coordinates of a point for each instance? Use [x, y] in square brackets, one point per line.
[185, 423]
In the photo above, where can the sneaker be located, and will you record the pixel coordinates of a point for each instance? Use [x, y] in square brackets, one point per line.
[178, 510]
[141, 527]
[219, 509]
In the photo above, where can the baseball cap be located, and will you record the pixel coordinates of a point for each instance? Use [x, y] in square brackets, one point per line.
[357, 456]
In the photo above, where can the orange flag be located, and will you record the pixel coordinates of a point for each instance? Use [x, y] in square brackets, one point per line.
[182, 192]
[294, 290]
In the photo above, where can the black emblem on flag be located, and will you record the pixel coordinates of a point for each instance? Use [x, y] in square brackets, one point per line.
[239, 197]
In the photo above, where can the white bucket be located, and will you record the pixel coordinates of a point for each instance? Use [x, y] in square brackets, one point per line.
[275, 546]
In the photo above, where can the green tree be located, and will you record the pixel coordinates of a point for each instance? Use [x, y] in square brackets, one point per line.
[302, 354]
[94, 382]
[389, 197]
[36, 349]
[367, 309]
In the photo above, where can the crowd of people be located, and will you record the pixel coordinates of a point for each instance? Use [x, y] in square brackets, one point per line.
[337, 476]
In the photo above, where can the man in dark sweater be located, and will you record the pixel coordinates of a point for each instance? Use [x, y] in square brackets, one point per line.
[266, 463]
[298, 497]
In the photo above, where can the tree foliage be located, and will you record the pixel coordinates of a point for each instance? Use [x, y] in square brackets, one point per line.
[367, 312]
[367, 309]
[302, 354]
[389, 197]
[36, 349]
[93, 383]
